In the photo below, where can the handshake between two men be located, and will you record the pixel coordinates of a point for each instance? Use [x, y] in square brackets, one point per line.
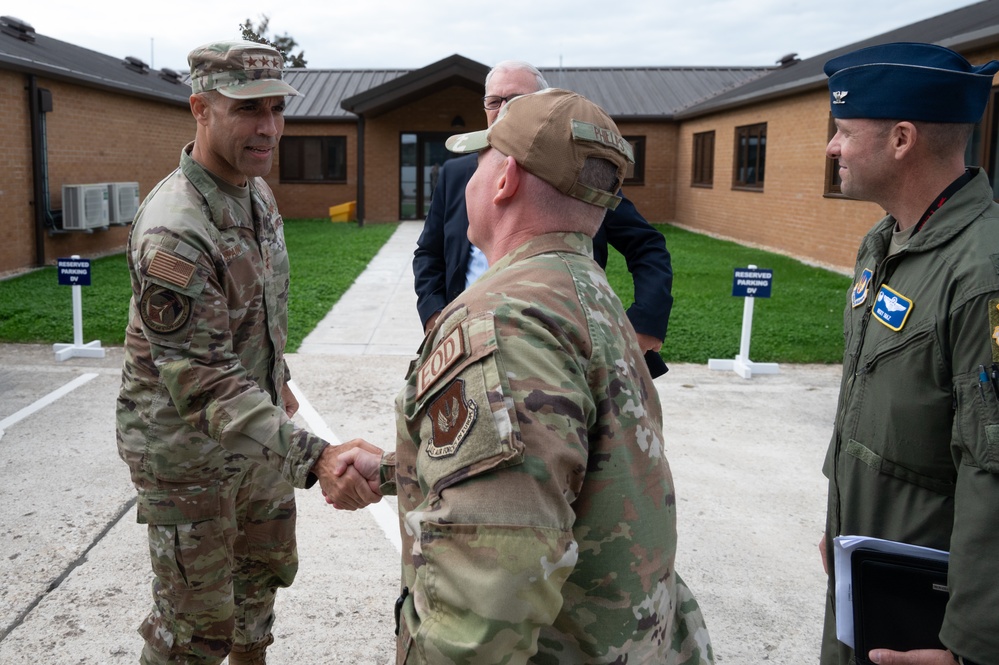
[349, 474]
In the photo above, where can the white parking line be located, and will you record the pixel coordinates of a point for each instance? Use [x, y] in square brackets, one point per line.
[383, 515]
[40, 404]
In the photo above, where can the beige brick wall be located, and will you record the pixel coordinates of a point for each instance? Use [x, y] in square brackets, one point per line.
[17, 251]
[655, 199]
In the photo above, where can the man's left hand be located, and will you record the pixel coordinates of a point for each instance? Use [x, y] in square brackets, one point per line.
[649, 343]
[290, 401]
[914, 657]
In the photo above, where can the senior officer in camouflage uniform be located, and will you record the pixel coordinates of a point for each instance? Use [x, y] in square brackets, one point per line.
[204, 411]
[536, 502]
[915, 452]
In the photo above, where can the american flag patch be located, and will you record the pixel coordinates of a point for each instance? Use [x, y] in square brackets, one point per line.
[171, 269]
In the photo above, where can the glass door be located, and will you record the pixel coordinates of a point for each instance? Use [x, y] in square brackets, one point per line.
[422, 156]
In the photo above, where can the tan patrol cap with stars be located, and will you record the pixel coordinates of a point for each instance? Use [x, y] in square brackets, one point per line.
[238, 69]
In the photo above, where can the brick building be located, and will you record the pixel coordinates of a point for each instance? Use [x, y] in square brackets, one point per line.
[737, 152]
[70, 115]
[766, 180]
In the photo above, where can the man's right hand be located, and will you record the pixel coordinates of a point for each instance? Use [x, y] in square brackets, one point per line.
[347, 490]
[363, 462]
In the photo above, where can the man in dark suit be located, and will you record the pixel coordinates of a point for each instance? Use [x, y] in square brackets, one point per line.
[445, 262]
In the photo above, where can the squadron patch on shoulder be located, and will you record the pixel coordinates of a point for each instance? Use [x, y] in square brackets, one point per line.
[171, 269]
[451, 416]
[162, 310]
[858, 296]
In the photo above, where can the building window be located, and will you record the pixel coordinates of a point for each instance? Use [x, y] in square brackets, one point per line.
[704, 160]
[635, 175]
[314, 159]
[833, 180]
[750, 156]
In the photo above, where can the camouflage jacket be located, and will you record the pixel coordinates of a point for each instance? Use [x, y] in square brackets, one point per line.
[537, 507]
[204, 350]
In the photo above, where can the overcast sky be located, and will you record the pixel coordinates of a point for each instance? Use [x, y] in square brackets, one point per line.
[410, 34]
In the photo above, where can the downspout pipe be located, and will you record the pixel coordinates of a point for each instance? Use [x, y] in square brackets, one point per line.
[38, 169]
[360, 171]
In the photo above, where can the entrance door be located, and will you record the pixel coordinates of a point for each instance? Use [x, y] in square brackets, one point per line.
[422, 156]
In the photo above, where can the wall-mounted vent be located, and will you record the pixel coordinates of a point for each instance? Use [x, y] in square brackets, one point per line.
[135, 64]
[15, 27]
[123, 202]
[84, 207]
[170, 75]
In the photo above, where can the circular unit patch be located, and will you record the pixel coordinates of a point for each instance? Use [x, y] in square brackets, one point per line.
[164, 311]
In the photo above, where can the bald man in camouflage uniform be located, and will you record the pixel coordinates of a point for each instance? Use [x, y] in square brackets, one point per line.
[204, 412]
[537, 506]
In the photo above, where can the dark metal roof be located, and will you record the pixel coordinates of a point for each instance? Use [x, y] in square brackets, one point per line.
[633, 93]
[51, 58]
[961, 29]
[650, 92]
[452, 70]
[324, 90]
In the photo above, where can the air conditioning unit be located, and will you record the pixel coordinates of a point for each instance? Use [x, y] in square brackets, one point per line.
[123, 202]
[84, 206]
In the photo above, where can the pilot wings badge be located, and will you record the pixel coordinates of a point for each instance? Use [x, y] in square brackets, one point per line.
[451, 417]
[892, 308]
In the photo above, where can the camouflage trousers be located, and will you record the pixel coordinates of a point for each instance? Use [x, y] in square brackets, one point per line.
[219, 551]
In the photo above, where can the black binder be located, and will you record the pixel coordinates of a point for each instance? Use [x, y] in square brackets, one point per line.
[898, 602]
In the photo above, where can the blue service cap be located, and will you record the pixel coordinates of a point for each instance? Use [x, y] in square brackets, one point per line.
[909, 81]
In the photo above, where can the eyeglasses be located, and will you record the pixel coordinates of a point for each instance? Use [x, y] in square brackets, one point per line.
[493, 102]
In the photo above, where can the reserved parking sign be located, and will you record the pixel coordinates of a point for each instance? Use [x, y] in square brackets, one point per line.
[73, 272]
[752, 282]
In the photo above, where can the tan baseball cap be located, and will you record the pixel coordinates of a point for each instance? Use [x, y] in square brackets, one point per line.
[551, 133]
[238, 69]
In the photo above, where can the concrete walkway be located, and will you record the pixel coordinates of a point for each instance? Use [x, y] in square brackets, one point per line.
[745, 454]
[377, 315]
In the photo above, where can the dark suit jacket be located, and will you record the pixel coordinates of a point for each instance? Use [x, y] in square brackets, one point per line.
[441, 257]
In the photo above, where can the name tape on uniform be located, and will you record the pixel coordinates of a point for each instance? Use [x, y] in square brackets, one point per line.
[446, 354]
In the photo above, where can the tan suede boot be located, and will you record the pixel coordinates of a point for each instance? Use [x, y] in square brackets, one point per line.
[250, 654]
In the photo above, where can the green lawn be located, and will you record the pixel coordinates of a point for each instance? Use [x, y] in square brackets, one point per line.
[325, 260]
[801, 322]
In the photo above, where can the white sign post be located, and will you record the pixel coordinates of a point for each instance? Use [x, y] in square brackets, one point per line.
[75, 272]
[748, 282]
